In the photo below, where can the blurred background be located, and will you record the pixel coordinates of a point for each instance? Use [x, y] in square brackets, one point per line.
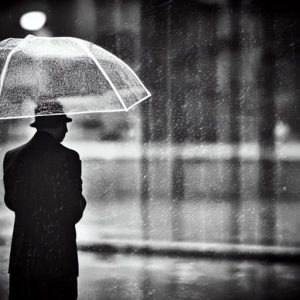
[212, 157]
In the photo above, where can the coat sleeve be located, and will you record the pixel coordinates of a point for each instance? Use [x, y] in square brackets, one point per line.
[76, 200]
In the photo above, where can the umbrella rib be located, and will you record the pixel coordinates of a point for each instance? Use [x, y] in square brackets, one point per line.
[133, 73]
[4, 70]
[91, 55]
[141, 100]
[69, 113]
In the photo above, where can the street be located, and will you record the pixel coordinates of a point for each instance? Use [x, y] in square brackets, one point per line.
[134, 277]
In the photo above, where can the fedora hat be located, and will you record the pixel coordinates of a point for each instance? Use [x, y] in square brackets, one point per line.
[49, 114]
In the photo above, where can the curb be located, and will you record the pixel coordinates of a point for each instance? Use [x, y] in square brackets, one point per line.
[197, 250]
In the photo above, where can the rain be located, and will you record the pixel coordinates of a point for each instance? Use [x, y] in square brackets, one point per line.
[190, 150]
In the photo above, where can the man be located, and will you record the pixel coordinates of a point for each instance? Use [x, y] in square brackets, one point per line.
[43, 186]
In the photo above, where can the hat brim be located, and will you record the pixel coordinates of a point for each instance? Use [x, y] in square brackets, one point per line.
[56, 121]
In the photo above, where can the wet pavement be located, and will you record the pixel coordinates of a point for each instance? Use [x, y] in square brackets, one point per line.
[135, 277]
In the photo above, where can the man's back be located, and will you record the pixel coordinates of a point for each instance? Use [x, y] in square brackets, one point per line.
[43, 187]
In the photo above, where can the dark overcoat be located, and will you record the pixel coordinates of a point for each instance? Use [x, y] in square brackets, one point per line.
[43, 186]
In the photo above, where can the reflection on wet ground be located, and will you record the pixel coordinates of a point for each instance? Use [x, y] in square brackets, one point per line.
[145, 277]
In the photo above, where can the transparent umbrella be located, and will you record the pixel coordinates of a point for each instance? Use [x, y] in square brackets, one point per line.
[82, 76]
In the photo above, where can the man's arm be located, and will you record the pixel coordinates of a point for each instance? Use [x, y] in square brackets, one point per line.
[75, 196]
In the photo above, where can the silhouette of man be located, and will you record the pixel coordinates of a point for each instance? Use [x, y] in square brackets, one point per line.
[43, 186]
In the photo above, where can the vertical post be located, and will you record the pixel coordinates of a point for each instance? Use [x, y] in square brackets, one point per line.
[176, 117]
[177, 195]
[146, 111]
[154, 72]
[235, 111]
[144, 195]
[267, 163]
[198, 65]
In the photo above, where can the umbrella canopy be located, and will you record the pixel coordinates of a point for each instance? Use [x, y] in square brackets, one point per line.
[82, 76]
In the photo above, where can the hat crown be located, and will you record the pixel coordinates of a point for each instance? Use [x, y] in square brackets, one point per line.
[49, 108]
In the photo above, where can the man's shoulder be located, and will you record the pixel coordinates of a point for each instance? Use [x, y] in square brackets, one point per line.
[69, 152]
[14, 151]
[57, 150]
[12, 155]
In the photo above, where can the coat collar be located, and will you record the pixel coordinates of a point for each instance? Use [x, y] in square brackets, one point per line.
[44, 138]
